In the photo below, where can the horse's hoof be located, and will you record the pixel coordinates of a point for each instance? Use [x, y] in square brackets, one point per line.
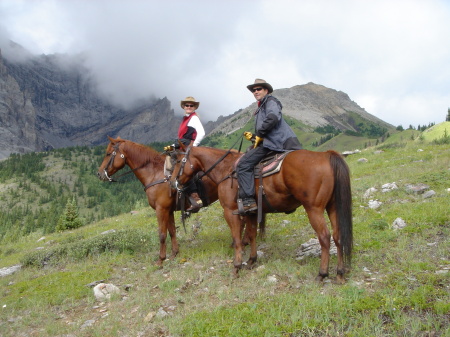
[235, 272]
[159, 264]
[339, 279]
[321, 277]
[251, 263]
[250, 266]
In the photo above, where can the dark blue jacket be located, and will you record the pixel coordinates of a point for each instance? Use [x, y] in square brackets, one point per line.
[270, 125]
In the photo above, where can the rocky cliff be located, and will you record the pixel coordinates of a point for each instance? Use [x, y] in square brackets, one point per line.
[50, 102]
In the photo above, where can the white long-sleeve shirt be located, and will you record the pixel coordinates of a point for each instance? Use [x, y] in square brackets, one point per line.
[198, 126]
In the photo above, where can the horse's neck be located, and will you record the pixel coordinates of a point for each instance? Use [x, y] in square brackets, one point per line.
[143, 163]
[223, 168]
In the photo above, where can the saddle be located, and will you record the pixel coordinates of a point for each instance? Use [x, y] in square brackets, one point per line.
[269, 165]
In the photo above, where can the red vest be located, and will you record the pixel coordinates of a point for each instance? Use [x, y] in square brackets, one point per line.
[184, 126]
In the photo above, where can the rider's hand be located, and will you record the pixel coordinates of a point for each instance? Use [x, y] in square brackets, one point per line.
[168, 148]
[257, 141]
[248, 135]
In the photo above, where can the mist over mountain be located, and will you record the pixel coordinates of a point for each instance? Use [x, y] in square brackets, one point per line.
[53, 101]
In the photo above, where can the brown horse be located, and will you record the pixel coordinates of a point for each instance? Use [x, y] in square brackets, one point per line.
[318, 181]
[148, 166]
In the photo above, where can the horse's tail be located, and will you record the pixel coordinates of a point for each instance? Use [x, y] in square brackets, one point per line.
[343, 201]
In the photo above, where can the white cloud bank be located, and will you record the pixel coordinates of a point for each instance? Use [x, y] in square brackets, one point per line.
[390, 57]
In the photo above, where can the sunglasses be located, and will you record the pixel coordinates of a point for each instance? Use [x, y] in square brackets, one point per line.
[189, 105]
[257, 89]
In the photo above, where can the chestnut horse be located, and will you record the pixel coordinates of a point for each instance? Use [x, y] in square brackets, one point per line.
[148, 166]
[318, 181]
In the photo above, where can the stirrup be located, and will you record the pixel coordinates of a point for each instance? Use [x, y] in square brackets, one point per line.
[243, 210]
[195, 205]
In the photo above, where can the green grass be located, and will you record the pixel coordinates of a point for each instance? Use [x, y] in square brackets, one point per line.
[436, 132]
[397, 285]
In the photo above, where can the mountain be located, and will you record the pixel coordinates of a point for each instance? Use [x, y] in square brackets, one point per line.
[50, 101]
[313, 105]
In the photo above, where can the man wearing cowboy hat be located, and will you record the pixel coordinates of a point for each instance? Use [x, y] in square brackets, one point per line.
[190, 132]
[272, 133]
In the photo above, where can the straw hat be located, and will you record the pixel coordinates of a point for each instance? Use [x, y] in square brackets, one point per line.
[190, 99]
[260, 83]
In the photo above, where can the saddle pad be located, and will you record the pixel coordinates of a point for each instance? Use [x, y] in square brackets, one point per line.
[270, 164]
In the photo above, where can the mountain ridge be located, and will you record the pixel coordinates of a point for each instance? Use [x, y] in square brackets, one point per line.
[51, 101]
[313, 104]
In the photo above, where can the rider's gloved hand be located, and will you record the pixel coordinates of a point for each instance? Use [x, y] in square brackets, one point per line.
[258, 140]
[169, 148]
[248, 135]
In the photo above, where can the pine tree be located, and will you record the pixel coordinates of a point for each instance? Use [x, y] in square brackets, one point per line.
[69, 219]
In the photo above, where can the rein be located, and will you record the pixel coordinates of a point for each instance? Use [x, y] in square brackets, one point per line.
[200, 176]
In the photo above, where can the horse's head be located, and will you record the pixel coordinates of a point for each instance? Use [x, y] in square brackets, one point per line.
[185, 164]
[114, 159]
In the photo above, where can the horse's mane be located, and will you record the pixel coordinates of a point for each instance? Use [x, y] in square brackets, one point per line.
[143, 155]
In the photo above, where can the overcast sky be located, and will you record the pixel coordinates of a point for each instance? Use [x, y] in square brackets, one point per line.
[392, 57]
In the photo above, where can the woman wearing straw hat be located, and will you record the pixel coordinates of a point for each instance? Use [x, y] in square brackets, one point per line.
[190, 132]
[191, 129]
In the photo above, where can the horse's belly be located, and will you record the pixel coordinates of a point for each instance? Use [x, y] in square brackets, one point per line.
[280, 205]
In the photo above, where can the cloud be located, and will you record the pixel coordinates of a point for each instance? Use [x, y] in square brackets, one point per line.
[391, 57]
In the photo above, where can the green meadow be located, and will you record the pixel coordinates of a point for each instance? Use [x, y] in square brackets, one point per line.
[399, 284]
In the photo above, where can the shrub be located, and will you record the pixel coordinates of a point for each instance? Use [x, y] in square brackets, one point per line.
[129, 240]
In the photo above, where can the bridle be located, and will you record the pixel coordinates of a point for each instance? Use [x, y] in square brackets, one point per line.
[180, 188]
[116, 149]
[111, 161]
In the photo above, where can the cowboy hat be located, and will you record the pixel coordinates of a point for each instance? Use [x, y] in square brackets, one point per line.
[260, 83]
[190, 99]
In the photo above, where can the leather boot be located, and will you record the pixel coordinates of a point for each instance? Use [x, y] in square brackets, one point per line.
[248, 206]
[196, 203]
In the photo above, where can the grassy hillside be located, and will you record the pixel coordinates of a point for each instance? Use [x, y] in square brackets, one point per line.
[437, 132]
[398, 285]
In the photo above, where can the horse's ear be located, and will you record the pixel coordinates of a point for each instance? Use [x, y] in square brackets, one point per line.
[112, 140]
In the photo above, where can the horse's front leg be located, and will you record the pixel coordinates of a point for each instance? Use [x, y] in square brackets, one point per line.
[234, 222]
[165, 221]
[173, 235]
[251, 227]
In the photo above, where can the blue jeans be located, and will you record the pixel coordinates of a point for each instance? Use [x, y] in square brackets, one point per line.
[245, 171]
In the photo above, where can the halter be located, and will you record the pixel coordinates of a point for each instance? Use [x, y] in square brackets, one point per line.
[200, 176]
[111, 161]
[180, 171]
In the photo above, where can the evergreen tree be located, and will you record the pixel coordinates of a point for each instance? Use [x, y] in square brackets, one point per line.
[69, 219]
